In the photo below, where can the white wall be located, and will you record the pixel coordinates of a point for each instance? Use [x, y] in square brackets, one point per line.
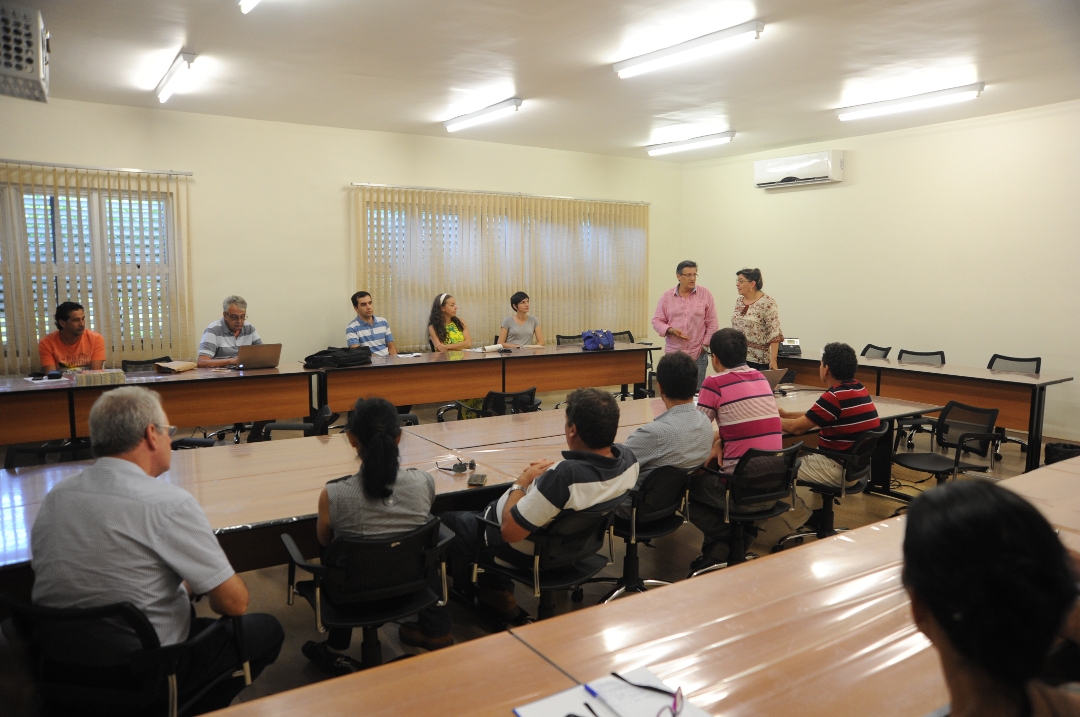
[270, 212]
[962, 236]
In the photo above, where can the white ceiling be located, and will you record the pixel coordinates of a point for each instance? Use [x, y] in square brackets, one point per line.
[407, 65]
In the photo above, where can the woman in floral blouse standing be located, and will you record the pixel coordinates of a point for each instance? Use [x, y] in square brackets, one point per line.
[758, 318]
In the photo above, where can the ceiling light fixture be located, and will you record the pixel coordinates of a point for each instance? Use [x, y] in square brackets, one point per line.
[708, 140]
[176, 75]
[690, 50]
[247, 6]
[915, 102]
[506, 107]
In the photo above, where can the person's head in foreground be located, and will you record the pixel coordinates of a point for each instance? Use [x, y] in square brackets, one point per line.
[592, 417]
[374, 431]
[991, 586]
[129, 423]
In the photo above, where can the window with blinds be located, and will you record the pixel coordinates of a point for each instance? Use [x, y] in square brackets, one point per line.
[583, 263]
[112, 241]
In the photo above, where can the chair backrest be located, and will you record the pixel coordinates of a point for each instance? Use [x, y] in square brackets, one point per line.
[623, 337]
[500, 404]
[956, 419]
[128, 365]
[495, 340]
[90, 659]
[763, 476]
[561, 340]
[572, 537]
[431, 345]
[380, 567]
[859, 458]
[998, 362]
[929, 358]
[662, 493]
[871, 351]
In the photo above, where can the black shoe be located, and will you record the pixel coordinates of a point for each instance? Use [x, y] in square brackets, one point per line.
[411, 634]
[330, 662]
[704, 561]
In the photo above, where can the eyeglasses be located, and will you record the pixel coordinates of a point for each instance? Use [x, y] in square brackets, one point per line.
[171, 430]
[740, 280]
[689, 276]
[460, 467]
[672, 710]
[234, 317]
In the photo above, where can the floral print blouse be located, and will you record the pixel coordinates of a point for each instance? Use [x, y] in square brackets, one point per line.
[760, 323]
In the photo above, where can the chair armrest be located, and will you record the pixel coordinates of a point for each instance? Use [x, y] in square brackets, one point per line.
[724, 477]
[967, 437]
[307, 428]
[297, 560]
[442, 410]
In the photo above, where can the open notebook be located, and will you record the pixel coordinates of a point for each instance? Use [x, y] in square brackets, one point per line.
[609, 697]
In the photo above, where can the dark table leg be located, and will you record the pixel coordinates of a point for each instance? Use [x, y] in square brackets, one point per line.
[881, 467]
[1035, 426]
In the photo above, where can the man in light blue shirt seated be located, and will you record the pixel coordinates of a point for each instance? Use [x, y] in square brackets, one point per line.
[367, 329]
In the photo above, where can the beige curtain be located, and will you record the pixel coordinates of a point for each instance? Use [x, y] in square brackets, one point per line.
[583, 263]
[114, 241]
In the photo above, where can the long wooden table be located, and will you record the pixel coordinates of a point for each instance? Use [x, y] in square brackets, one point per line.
[1019, 397]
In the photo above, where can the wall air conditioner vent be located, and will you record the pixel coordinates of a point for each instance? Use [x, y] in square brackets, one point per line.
[24, 54]
[814, 168]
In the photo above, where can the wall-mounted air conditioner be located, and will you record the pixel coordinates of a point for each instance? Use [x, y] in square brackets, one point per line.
[814, 168]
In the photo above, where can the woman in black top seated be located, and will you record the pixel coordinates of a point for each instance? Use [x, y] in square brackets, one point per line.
[991, 586]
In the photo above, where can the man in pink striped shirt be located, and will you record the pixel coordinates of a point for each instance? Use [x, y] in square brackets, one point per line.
[686, 317]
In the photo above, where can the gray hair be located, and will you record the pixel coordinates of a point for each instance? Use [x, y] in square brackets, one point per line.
[119, 418]
[234, 299]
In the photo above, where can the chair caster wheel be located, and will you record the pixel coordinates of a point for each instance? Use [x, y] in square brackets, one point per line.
[578, 595]
[997, 456]
[1023, 448]
[910, 444]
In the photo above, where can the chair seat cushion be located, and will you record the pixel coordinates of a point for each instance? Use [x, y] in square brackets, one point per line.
[933, 463]
[558, 579]
[650, 530]
[834, 490]
[368, 613]
[776, 510]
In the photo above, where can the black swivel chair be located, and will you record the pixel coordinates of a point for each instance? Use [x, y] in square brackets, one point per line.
[965, 429]
[564, 554]
[918, 424]
[496, 403]
[368, 582]
[856, 463]
[1008, 364]
[319, 426]
[623, 337]
[143, 365]
[183, 444]
[561, 340]
[877, 352]
[108, 660]
[760, 477]
[654, 513]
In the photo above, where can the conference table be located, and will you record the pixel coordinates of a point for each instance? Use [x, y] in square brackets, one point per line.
[824, 630]
[1019, 397]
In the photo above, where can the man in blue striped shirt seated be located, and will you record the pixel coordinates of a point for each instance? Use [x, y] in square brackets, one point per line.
[223, 338]
[367, 329]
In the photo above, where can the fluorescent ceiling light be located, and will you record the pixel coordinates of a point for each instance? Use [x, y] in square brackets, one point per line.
[915, 102]
[247, 6]
[691, 49]
[506, 107]
[708, 140]
[175, 77]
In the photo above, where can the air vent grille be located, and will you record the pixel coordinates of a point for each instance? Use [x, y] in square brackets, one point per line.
[24, 54]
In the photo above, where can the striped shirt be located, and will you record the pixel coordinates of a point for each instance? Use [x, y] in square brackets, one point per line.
[582, 481]
[114, 534]
[741, 402]
[218, 342]
[374, 335]
[843, 412]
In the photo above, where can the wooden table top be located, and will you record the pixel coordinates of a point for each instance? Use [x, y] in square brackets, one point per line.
[1045, 378]
[487, 677]
[826, 627]
[1053, 489]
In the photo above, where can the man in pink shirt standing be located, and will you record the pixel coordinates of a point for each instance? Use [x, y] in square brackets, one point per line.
[686, 317]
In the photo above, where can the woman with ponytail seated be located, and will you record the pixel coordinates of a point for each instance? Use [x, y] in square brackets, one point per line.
[381, 499]
[991, 586]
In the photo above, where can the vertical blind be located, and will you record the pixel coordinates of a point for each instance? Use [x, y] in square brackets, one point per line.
[583, 263]
[114, 241]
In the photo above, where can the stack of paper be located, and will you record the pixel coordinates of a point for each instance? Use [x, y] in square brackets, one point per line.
[105, 377]
[174, 366]
[609, 697]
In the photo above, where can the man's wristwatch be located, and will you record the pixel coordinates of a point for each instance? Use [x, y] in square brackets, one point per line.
[516, 486]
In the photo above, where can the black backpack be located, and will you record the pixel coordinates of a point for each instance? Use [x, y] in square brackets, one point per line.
[339, 358]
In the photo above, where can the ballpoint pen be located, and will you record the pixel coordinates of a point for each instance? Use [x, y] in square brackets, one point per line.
[600, 697]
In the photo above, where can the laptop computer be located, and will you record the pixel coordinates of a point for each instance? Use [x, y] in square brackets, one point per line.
[774, 376]
[258, 356]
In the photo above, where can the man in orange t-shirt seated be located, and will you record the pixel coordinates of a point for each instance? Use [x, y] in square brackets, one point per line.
[74, 345]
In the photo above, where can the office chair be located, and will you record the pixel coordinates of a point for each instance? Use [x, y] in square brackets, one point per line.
[654, 513]
[760, 477]
[561, 340]
[878, 352]
[625, 337]
[319, 425]
[1008, 364]
[856, 463]
[965, 429]
[182, 444]
[68, 449]
[496, 403]
[143, 365]
[918, 424]
[109, 660]
[368, 582]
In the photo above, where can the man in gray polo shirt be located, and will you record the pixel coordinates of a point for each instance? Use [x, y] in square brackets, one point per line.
[113, 534]
[222, 338]
[681, 436]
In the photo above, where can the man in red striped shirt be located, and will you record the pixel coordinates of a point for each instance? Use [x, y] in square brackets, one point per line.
[843, 413]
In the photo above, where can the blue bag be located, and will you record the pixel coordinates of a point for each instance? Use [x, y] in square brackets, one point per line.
[601, 340]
